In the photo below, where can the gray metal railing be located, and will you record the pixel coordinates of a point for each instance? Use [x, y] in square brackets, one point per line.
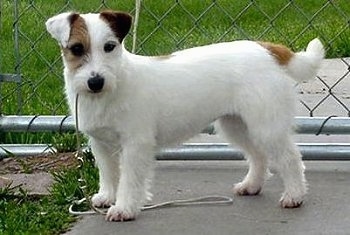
[193, 151]
[199, 151]
[42, 123]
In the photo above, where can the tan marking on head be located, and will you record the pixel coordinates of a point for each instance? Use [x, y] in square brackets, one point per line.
[79, 37]
[281, 53]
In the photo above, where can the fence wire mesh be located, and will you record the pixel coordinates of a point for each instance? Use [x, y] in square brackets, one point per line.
[26, 50]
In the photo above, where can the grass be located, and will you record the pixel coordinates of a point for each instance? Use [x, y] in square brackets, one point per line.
[22, 213]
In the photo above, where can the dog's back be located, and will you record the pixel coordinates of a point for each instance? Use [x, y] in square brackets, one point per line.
[301, 66]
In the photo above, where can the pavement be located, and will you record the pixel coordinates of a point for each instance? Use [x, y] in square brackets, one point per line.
[36, 184]
[334, 75]
[326, 209]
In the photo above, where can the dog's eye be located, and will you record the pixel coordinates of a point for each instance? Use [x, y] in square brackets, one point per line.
[109, 46]
[77, 49]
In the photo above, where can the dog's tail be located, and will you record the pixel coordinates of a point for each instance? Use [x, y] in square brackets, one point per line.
[304, 65]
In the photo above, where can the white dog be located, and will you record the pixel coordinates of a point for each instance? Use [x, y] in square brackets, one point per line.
[131, 105]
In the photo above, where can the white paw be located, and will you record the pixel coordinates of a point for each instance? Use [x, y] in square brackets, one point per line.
[119, 213]
[102, 200]
[245, 188]
[287, 201]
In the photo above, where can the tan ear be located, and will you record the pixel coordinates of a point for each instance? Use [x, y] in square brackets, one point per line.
[59, 27]
[120, 22]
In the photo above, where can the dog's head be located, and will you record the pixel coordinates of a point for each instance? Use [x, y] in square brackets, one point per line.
[91, 46]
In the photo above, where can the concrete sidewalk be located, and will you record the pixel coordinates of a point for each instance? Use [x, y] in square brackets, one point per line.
[315, 94]
[326, 209]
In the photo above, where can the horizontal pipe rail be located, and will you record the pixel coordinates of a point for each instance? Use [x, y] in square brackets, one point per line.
[304, 125]
[222, 151]
[200, 151]
[24, 150]
[33, 123]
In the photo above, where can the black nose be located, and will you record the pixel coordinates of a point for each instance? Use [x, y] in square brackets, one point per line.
[96, 83]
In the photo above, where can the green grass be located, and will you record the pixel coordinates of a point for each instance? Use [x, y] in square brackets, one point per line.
[22, 213]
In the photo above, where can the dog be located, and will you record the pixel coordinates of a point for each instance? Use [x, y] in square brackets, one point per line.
[130, 106]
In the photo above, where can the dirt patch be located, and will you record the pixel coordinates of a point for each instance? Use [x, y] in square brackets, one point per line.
[32, 173]
[37, 164]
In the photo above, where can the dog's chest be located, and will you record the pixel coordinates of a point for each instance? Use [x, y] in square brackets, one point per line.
[97, 121]
[99, 128]
[103, 134]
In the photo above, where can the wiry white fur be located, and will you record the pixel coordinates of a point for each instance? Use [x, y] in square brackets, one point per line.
[59, 28]
[304, 64]
[148, 103]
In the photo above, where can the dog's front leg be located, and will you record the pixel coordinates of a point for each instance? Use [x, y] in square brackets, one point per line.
[136, 162]
[107, 159]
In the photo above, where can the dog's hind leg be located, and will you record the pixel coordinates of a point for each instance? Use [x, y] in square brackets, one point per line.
[236, 132]
[107, 159]
[289, 165]
[268, 141]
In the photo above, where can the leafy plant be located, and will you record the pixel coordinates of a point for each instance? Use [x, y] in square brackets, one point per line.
[67, 142]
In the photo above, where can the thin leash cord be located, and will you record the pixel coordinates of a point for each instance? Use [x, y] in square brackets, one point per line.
[196, 201]
[205, 200]
[82, 182]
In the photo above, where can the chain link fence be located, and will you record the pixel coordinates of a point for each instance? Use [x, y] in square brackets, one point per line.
[31, 70]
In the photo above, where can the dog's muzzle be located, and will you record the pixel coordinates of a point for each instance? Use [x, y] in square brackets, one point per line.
[96, 83]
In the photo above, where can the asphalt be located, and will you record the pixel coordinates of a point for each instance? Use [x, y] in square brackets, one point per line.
[326, 209]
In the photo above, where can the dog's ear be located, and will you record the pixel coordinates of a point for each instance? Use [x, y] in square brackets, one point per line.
[120, 22]
[59, 27]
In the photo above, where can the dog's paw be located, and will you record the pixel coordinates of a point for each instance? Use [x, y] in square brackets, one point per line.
[287, 201]
[102, 200]
[246, 189]
[118, 213]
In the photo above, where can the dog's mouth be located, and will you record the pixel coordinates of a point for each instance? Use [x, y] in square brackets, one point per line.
[95, 91]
